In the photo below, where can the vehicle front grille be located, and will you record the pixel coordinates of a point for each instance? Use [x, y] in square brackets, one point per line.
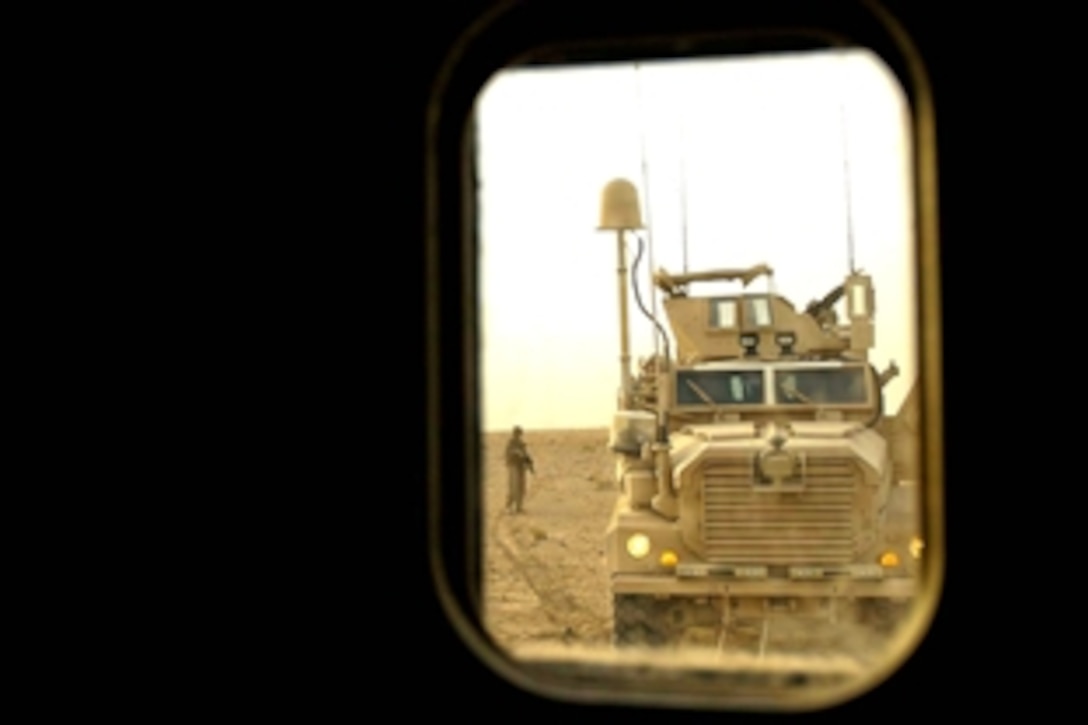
[812, 526]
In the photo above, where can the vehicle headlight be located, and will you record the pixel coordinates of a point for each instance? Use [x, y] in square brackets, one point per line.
[889, 559]
[916, 547]
[668, 558]
[638, 546]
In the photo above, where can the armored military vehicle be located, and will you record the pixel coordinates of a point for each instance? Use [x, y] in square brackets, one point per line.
[756, 469]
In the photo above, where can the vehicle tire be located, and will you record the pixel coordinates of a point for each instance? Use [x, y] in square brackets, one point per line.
[882, 615]
[638, 621]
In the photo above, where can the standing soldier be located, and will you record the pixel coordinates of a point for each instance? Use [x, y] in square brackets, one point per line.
[517, 462]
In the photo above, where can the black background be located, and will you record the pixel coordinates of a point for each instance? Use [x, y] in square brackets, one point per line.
[554, 21]
[271, 309]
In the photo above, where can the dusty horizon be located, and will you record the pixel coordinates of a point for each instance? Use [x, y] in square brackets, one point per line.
[572, 429]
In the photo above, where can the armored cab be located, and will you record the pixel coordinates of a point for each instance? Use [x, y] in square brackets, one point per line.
[753, 462]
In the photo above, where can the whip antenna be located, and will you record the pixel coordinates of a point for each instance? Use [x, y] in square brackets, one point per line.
[846, 177]
[683, 193]
[647, 206]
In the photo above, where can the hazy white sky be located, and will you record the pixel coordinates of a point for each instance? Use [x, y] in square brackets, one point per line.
[759, 146]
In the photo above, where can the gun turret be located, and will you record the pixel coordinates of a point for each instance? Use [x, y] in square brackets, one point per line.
[675, 285]
[755, 325]
[822, 310]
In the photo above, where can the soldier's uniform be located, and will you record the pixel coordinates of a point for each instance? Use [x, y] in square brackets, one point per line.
[518, 462]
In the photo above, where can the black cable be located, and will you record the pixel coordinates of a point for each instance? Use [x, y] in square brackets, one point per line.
[641, 305]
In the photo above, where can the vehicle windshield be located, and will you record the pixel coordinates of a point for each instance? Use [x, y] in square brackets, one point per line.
[719, 387]
[828, 386]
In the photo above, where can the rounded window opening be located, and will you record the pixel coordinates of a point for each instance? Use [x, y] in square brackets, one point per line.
[700, 366]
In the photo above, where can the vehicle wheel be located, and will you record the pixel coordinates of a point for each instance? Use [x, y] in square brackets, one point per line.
[882, 615]
[638, 621]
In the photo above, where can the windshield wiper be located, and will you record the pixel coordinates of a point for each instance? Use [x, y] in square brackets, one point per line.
[795, 393]
[821, 407]
[706, 399]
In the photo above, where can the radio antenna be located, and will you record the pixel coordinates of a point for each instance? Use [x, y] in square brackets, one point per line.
[846, 174]
[647, 205]
[683, 192]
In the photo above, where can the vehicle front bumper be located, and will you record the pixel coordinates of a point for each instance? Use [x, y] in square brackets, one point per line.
[710, 584]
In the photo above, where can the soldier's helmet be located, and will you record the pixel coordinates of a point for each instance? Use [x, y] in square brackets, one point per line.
[517, 430]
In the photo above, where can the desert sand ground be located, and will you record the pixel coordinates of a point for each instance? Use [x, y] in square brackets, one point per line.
[546, 580]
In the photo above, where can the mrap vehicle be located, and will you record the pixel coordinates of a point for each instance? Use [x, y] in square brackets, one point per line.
[758, 475]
